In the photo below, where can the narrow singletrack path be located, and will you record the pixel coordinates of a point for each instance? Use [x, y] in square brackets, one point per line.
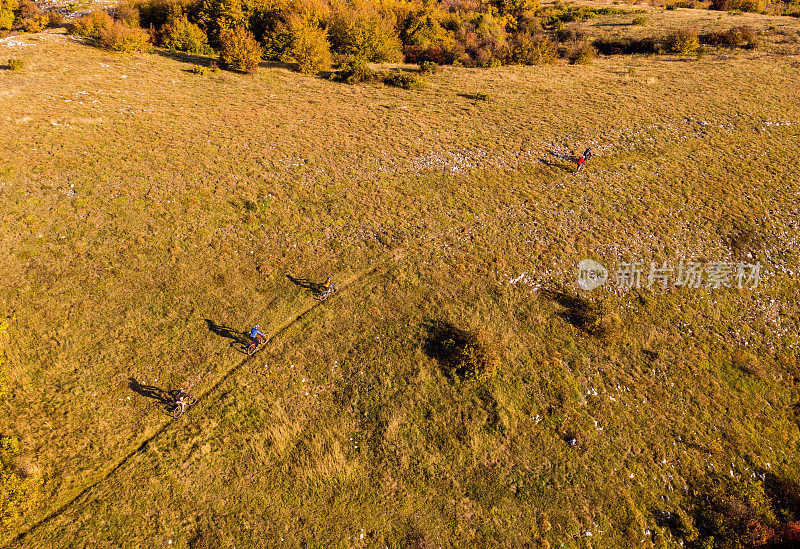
[206, 396]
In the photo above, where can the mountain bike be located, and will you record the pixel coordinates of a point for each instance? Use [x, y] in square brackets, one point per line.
[327, 292]
[181, 405]
[256, 345]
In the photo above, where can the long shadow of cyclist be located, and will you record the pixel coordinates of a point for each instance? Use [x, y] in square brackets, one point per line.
[156, 393]
[314, 288]
[237, 337]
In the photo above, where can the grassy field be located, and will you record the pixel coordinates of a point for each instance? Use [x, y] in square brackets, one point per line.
[150, 215]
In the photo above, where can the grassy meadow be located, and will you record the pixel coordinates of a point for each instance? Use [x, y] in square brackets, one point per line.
[151, 215]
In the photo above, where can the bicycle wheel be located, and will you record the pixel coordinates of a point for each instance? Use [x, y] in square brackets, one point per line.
[177, 411]
[252, 348]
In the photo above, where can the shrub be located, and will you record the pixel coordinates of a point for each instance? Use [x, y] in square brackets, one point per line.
[33, 24]
[742, 36]
[428, 67]
[128, 14]
[120, 37]
[92, 25]
[639, 21]
[309, 46]
[29, 17]
[682, 41]
[157, 13]
[16, 64]
[480, 39]
[700, 54]
[371, 37]
[460, 354]
[624, 46]
[54, 19]
[197, 69]
[405, 80]
[515, 8]
[525, 49]
[570, 35]
[271, 27]
[356, 72]
[756, 6]
[425, 39]
[216, 16]
[7, 8]
[11, 489]
[239, 50]
[589, 317]
[582, 54]
[181, 35]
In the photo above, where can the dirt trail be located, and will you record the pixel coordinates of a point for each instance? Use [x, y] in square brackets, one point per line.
[207, 396]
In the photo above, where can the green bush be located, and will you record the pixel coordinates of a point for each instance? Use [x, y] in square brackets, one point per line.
[526, 49]
[239, 50]
[120, 37]
[425, 39]
[639, 21]
[271, 27]
[405, 80]
[428, 67]
[367, 36]
[16, 64]
[582, 54]
[309, 46]
[197, 69]
[216, 16]
[7, 9]
[157, 13]
[682, 41]
[178, 34]
[357, 72]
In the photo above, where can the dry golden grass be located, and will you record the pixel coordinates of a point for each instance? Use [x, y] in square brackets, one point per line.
[141, 200]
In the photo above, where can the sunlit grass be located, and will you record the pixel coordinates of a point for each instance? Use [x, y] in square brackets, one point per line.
[141, 200]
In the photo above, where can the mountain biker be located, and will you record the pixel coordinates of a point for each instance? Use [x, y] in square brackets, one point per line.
[587, 154]
[327, 284]
[254, 333]
[181, 397]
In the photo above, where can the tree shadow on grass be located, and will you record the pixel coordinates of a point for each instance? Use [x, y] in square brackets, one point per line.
[183, 57]
[588, 317]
